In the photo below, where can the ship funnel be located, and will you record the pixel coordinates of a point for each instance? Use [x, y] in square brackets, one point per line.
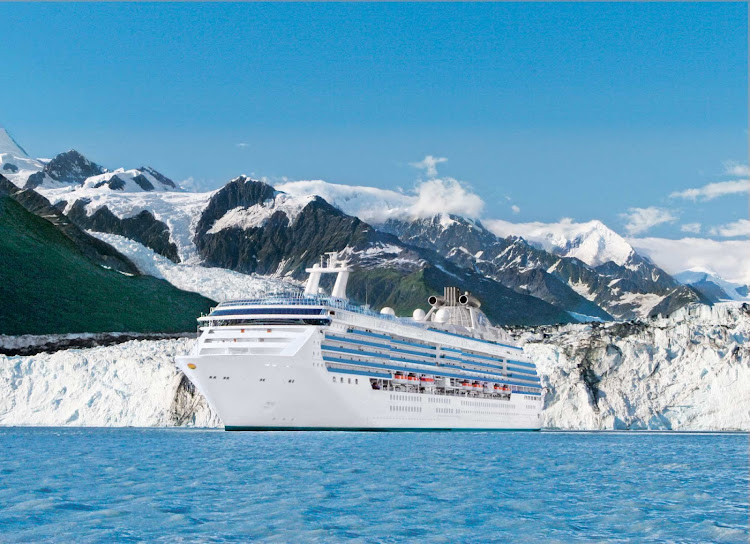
[467, 300]
[333, 266]
[435, 300]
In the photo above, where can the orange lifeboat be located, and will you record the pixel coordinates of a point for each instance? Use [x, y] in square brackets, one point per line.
[399, 377]
[427, 381]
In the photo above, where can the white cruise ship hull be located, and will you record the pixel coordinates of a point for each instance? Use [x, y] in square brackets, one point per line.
[280, 378]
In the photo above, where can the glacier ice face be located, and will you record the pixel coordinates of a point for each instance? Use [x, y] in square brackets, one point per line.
[689, 371]
[131, 384]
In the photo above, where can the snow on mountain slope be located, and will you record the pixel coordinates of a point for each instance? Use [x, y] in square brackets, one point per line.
[699, 276]
[131, 384]
[690, 371]
[218, 284]
[15, 164]
[687, 372]
[132, 181]
[376, 206]
[593, 242]
[258, 214]
[179, 210]
[10, 146]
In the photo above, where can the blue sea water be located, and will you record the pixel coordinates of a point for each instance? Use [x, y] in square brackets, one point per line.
[178, 485]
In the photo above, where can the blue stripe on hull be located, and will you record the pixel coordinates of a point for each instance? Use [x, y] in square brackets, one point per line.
[436, 373]
[360, 373]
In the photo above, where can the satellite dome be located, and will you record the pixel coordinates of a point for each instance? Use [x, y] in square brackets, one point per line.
[442, 316]
[418, 314]
[387, 311]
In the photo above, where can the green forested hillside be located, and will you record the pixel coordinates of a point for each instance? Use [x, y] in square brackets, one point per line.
[48, 285]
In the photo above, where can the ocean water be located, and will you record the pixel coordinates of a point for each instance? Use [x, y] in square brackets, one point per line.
[178, 485]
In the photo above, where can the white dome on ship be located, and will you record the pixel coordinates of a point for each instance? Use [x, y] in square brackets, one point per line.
[418, 314]
[442, 315]
[388, 311]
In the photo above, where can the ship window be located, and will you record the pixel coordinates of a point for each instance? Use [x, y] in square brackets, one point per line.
[356, 381]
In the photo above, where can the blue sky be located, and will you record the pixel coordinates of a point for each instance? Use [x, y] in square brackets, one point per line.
[571, 110]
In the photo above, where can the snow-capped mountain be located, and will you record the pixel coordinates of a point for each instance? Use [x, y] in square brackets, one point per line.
[712, 286]
[569, 272]
[15, 164]
[634, 289]
[592, 242]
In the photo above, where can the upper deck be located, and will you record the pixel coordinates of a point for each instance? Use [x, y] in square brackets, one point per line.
[301, 309]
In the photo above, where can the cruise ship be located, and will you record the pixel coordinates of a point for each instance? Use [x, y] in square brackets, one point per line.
[309, 361]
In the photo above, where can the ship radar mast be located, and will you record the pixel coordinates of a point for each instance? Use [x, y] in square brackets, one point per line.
[332, 266]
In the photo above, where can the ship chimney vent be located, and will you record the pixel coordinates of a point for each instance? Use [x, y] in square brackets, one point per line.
[451, 294]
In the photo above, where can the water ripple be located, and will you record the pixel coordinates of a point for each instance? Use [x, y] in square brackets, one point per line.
[176, 485]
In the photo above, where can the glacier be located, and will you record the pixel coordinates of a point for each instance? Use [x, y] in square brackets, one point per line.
[689, 371]
[134, 384]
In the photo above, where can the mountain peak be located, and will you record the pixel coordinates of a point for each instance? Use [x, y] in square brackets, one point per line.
[591, 242]
[9, 145]
[72, 167]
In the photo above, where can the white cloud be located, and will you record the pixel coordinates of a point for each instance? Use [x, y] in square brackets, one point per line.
[429, 165]
[714, 190]
[731, 230]
[515, 209]
[242, 144]
[732, 168]
[730, 259]
[639, 220]
[194, 185]
[693, 228]
[427, 199]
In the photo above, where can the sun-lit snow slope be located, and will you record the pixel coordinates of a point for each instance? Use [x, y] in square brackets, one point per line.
[9, 145]
[179, 210]
[130, 384]
[690, 371]
[733, 291]
[15, 164]
[592, 242]
[218, 284]
[376, 206]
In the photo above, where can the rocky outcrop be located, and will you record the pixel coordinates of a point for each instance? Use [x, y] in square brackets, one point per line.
[72, 167]
[161, 178]
[143, 227]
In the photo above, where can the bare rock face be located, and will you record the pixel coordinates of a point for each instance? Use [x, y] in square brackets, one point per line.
[72, 167]
[142, 227]
[688, 371]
